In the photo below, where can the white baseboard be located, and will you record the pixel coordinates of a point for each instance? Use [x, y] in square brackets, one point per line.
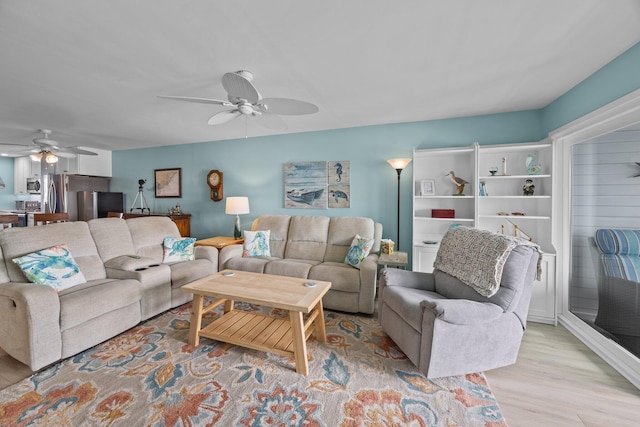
[611, 352]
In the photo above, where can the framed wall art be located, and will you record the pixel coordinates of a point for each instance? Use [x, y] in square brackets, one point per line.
[168, 182]
[428, 187]
[305, 185]
[339, 184]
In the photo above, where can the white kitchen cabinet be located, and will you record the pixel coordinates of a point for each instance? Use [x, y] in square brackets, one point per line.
[500, 206]
[23, 168]
[21, 171]
[99, 165]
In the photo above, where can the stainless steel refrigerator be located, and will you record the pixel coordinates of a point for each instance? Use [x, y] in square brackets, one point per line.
[74, 194]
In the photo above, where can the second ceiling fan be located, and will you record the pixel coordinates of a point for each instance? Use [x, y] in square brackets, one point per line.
[246, 101]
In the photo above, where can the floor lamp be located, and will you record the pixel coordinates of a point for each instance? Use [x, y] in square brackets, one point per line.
[237, 206]
[398, 165]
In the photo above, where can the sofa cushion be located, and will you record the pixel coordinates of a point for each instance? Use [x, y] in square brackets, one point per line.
[290, 267]
[255, 265]
[52, 266]
[95, 298]
[256, 243]
[358, 251]
[342, 277]
[148, 233]
[185, 272]
[112, 237]
[278, 226]
[18, 241]
[342, 230]
[307, 237]
[178, 249]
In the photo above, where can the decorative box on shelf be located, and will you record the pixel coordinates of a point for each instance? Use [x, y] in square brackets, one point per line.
[443, 213]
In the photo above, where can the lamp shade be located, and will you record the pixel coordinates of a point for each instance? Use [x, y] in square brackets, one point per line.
[237, 206]
[399, 163]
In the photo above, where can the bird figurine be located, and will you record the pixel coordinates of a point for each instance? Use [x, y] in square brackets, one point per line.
[459, 182]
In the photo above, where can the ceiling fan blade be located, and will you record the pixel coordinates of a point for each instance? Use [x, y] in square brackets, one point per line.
[197, 100]
[65, 154]
[270, 121]
[223, 117]
[239, 87]
[74, 150]
[288, 107]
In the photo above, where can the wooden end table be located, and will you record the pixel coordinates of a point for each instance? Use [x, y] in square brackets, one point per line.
[396, 259]
[219, 241]
[283, 336]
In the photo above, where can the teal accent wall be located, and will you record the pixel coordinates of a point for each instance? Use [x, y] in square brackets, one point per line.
[253, 167]
[7, 198]
[615, 80]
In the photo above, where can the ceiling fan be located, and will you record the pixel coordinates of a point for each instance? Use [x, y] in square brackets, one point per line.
[247, 101]
[44, 148]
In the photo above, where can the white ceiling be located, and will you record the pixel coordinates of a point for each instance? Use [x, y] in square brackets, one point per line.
[91, 70]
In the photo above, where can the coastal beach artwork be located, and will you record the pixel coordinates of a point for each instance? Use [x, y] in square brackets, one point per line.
[305, 185]
[339, 184]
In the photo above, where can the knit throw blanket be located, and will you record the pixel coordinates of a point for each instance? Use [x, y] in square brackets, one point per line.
[477, 257]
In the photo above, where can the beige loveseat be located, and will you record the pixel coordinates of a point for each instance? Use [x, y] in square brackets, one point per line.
[38, 326]
[315, 247]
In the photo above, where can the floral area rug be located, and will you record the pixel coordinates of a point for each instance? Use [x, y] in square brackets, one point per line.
[150, 376]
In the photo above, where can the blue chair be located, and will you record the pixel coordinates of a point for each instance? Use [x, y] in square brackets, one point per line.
[619, 285]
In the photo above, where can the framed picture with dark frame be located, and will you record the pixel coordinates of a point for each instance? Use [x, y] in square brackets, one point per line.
[168, 182]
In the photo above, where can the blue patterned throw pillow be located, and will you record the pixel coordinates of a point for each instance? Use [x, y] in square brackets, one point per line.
[256, 243]
[53, 267]
[179, 249]
[360, 248]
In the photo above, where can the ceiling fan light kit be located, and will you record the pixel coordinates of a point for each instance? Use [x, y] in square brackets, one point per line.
[48, 149]
[247, 101]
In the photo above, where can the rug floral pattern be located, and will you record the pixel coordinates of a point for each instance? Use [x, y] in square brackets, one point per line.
[150, 376]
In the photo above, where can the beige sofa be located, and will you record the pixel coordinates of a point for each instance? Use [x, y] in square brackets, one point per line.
[314, 247]
[38, 326]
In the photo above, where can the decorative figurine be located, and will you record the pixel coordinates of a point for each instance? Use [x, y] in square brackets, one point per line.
[459, 182]
[533, 168]
[493, 170]
[528, 188]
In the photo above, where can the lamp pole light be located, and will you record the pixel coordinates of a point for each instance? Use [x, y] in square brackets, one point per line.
[399, 165]
[237, 206]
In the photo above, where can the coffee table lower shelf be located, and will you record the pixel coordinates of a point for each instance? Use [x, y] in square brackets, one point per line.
[256, 331]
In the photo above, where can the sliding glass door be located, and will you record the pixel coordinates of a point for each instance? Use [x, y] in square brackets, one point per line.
[604, 273]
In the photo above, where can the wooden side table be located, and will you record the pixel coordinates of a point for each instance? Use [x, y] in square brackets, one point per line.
[219, 241]
[396, 259]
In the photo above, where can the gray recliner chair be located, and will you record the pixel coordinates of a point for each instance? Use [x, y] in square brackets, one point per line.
[444, 326]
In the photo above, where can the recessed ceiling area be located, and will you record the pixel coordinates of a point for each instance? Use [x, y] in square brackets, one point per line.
[92, 70]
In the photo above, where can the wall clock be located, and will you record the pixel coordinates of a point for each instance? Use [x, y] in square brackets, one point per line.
[214, 180]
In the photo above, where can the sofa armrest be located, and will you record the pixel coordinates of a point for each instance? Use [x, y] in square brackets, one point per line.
[210, 253]
[368, 281]
[129, 263]
[463, 312]
[228, 252]
[30, 323]
[407, 279]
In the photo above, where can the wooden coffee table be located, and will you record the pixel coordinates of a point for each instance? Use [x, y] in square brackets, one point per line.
[283, 336]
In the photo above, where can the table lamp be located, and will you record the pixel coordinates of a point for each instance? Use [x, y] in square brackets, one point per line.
[237, 206]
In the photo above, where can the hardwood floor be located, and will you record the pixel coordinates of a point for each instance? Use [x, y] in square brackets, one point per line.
[557, 381]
